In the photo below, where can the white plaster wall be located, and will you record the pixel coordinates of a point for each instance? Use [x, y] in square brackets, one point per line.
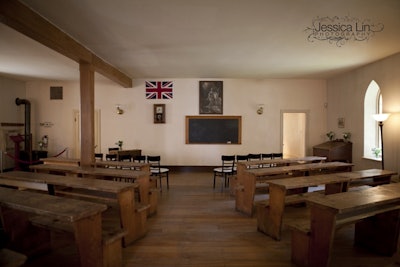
[11, 89]
[260, 133]
[346, 99]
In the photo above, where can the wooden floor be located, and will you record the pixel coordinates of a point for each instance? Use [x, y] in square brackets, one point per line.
[197, 226]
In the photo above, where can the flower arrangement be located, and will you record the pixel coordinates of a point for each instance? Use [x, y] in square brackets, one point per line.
[377, 152]
[41, 144]
[330, 135]
[119, 143]
[346, 136]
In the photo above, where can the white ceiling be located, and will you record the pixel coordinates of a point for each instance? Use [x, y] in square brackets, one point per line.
[203, 38]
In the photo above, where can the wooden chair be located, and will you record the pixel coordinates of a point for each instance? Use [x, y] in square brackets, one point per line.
[98, 156]
[267, 156]
[254, 157]
[157, 170]
[240, 158]
[226, 170]
[277, 155]
[140, 159]
[112, 153]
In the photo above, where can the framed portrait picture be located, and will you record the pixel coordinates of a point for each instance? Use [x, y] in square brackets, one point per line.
[341, 122]
[211, 97]
[159, 113]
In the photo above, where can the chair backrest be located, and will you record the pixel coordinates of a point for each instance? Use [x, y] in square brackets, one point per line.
[267, 156]
[277, 155]
[154, 162]
[242, 157]
[254, 156]
[141, 158]
[228, 162]
[113, 149]
[125, 158]
[98, 156]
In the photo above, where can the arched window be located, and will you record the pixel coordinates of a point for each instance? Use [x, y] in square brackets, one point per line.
[372, 105]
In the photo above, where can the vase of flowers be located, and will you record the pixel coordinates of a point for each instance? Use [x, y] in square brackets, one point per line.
[377, 152]
[346, 136]
[330, 135]
[119, 144]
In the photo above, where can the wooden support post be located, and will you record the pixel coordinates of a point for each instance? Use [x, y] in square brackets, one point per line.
[87, 114]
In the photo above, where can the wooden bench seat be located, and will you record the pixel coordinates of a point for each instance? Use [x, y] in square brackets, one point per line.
[111, 238]
[374, 211]
[132, 214]
[10, 258]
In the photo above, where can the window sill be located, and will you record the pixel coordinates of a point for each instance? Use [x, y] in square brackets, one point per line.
[373, 158]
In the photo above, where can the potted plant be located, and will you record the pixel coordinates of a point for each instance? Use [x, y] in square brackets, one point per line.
[330, 135]
[346, 136]
[119, 143]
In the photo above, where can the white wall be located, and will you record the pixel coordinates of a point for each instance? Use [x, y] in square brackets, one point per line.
[346, 99]
[260, 133]
[11, 89]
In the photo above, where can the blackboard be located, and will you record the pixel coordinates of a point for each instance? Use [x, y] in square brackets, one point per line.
[213, 129]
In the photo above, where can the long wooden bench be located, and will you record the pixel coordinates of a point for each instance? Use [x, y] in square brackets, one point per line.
[10, 258]
[312, 238]
[133, 215]
[85, 217]
[248, 179]
[111, 237]
[267, 163]
[283, 192]
[147, 196]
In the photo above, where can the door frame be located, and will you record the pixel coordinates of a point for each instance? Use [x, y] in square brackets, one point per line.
[306, 129]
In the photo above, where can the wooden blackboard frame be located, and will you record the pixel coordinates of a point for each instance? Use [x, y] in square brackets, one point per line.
[196, 126]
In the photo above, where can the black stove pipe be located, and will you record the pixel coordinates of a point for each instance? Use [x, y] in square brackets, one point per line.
[27, 104]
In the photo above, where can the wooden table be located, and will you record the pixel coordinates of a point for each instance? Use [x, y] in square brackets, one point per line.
[85, 218]
[375, 212]
[131, 220]
[248, 178]
[270, 216]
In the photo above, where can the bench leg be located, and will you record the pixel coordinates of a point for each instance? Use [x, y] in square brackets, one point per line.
[112, 254]
[300, 248]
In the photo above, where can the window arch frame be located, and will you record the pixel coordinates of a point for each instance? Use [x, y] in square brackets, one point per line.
[372, 105]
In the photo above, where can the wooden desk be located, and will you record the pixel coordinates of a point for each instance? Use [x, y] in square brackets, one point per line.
[270, 215]
[85, 218]
[130, 153]
[375, 212]
[248, 178]
[141, 177]
[130, 219]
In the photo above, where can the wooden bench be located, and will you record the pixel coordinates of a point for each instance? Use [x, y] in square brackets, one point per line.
[147, 196]
[10, 258]
[312, 239]
[267, 163]
[85, 218]
[282, 192]
[111, 238]
[133, 215]
[247, 179]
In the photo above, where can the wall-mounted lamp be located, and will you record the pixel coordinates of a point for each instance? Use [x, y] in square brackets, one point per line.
[120, 111]
[381, 117]
[260, 109]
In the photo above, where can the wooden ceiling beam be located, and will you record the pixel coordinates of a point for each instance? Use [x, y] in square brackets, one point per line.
[24, 20]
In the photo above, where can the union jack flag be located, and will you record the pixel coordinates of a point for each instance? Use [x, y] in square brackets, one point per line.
[159, 90]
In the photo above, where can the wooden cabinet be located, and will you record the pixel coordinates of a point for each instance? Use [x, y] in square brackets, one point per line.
[335, 151]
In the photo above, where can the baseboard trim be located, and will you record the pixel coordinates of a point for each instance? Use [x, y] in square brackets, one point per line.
[191, 168]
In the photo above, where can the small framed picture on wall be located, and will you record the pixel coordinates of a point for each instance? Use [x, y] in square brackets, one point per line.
[340, 122]
[159, 113]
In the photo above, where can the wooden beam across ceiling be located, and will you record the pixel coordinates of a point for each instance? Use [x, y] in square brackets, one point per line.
[24, 20]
